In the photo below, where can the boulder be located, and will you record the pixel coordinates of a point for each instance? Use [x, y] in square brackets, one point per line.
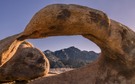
[27, 63]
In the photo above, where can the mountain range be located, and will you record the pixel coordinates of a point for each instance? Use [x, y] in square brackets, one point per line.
[70, 57]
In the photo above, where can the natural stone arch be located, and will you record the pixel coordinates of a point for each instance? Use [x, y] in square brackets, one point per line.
[116, 63]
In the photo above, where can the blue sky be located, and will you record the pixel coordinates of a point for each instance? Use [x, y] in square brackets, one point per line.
[15, 15]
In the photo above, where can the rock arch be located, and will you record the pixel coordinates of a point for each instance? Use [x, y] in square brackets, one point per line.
[116, 64]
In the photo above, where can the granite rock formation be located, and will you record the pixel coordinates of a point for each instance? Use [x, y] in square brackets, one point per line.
[8, 47]
[27, 63]
[116, 64]
[117, 43]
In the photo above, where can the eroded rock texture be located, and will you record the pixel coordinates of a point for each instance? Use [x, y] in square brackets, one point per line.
[27, 63]
[8, 47]
[61, 19]
[116, 65]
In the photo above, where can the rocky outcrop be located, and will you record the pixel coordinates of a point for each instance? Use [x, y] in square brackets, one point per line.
[70, 57]
[27, 63]
[117, 43]
[116, 64]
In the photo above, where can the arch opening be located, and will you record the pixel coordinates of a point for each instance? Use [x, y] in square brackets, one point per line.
[69, 51]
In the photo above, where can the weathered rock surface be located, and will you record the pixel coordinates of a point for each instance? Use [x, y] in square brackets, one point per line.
[8, 47]
[116, 65]
[62, 19]
[26, 64]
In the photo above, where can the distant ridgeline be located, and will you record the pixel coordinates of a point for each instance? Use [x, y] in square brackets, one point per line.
[70, 57]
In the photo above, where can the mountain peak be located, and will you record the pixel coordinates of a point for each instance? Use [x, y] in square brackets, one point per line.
[72, 48]
[70, 57]
[48, 51]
